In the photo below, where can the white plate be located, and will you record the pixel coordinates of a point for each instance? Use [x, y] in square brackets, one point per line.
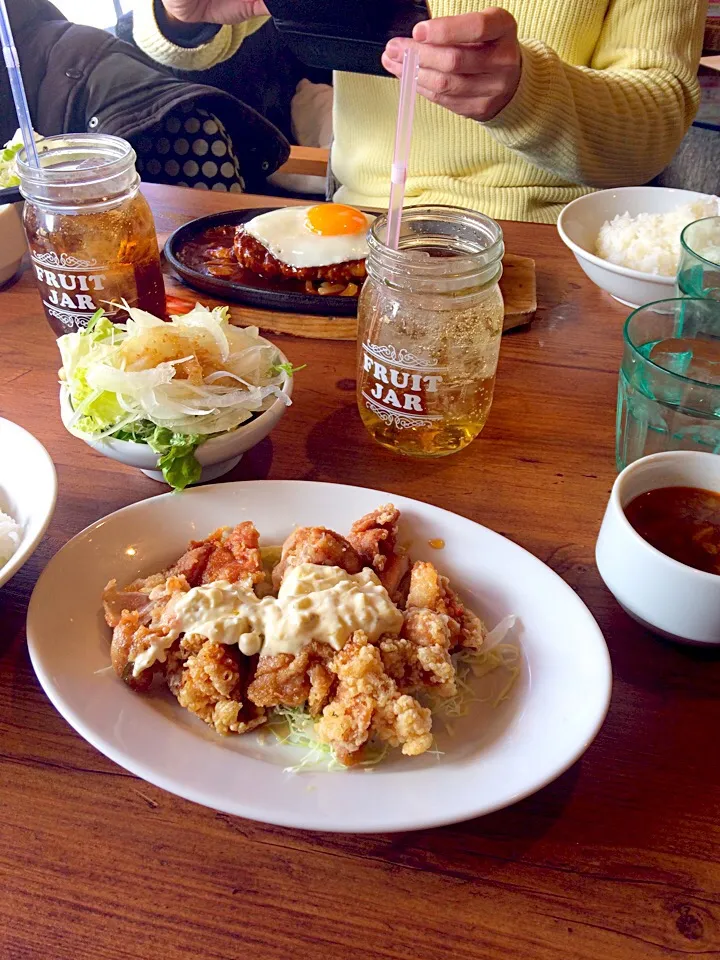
[28, 490]
[496, 755]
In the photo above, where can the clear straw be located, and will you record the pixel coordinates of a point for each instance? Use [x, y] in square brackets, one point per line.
[403, 138]
[16, 85]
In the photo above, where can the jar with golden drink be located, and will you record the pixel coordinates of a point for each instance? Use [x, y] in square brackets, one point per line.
[430, 319]
[90, 231]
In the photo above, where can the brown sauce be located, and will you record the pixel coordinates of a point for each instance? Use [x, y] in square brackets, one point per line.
[681, 522]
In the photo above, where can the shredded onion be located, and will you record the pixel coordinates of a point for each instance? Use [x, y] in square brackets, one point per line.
[242, 373]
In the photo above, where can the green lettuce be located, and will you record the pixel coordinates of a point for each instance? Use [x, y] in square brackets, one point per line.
[286, 368]
[179, 465]
[8, 156]
[8, 171]
[100, 409]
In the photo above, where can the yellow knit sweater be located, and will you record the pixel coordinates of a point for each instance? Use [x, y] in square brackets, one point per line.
[608, 90]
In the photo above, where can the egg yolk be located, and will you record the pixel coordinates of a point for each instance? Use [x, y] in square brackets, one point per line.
[334, 219]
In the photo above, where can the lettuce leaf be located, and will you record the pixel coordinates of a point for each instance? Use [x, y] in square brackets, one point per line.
[99, 410]
[8, 168]
[179, 465]
[177, 461]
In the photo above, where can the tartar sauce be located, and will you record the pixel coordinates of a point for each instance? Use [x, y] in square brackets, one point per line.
[314, 603]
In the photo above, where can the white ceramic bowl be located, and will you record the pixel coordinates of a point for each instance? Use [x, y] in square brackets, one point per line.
[666, 596]
[579, 225]
[217, 456]
[28, 490]
[12, 240]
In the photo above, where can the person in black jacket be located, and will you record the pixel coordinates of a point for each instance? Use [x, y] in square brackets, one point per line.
[79, 79]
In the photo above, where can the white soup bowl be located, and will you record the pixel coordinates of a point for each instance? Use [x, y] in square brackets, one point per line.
[669, 597]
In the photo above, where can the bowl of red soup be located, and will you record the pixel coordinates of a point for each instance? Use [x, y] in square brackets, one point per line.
[659, 545]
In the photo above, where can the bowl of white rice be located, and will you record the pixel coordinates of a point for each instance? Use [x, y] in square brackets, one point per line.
[28, 490]
[627, 240]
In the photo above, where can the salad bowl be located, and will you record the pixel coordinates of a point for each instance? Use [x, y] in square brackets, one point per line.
[181, 400]
[216, 456]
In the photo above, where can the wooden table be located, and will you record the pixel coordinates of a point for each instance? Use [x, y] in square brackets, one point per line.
[616, 859]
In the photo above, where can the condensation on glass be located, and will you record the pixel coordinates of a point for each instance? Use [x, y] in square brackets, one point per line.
[90, 231]
[430, 319]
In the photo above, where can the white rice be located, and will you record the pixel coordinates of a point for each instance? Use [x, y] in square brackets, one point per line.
[650, 242]
[9, 537]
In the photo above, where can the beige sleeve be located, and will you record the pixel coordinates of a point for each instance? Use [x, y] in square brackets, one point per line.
[224, 44]
[620, 120]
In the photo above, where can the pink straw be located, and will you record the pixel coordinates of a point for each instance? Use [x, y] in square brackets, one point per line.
[403, 138]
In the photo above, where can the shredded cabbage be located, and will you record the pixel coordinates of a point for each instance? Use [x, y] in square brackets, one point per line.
[169, 384]
[295, 727]
[472, 665]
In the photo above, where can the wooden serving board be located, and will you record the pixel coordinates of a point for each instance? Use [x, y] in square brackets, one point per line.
[517, 285]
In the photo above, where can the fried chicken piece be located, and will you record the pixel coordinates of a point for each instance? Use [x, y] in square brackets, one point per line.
[227, 554]
[368, 702]
[135, 613]
[140, 595]
[316, 545]
[192, 563]
[428, 590]
[234, 554]
[131, 638]
[420, 657]
[210, 684]
[374, 537]
[189, 645]
[322, 681]
[291, 681]
[115, 602]
[136, 630]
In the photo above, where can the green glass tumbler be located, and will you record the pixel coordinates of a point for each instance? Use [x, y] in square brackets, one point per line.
[669, 390]
[699, 269]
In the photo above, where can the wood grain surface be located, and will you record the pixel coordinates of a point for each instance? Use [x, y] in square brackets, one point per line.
[616, 860]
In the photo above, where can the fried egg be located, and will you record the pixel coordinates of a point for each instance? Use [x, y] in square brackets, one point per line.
[312, 236]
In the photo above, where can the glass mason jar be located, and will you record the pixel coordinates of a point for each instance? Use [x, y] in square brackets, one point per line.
[430, 319]
[90, 231]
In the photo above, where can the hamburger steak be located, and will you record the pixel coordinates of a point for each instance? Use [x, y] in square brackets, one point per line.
[252, 255]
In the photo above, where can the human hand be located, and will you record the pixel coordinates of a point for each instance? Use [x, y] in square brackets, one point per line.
[214, 11]
[470, 64]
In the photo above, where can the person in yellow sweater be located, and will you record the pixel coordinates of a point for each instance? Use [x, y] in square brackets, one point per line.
[522, 108]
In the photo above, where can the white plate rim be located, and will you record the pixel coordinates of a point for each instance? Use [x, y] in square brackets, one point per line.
[26, 548]
[189, 792]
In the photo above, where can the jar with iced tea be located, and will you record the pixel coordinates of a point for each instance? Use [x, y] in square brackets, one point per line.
[430, 319]
[90, 231]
